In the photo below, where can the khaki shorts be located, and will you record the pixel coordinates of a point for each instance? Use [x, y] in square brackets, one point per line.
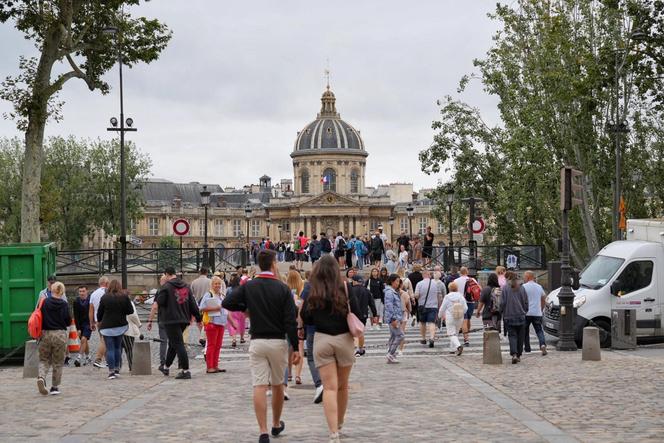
[268, 360]
[338, 349]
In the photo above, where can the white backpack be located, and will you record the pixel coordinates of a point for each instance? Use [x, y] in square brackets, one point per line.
[457, 311]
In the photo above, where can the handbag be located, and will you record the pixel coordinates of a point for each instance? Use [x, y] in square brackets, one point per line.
[421, 309]
[355, 326]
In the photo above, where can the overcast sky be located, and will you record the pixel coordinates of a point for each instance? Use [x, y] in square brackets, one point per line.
[238, 80]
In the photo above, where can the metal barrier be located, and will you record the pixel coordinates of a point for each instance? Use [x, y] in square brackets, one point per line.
[524, 257]
[149, 261]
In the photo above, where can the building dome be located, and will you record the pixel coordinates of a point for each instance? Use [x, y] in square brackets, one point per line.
[328, 132]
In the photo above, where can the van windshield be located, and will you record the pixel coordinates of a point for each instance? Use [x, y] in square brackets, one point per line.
[599, 271]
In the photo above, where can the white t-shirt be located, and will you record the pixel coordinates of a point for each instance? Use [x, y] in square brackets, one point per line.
[95, 298]
[461, 284]
[535, 293]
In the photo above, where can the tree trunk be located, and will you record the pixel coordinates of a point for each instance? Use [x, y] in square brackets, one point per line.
[34, 138]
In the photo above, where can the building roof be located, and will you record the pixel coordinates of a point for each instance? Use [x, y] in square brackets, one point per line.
[328, 132]
[159, 192]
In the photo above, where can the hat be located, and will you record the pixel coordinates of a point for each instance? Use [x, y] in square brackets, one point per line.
[52, 278]
[218, 273]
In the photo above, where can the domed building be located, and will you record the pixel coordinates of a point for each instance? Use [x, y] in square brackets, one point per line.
[327, 193]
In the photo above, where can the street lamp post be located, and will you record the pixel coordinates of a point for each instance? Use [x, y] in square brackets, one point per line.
[450, 248]
[472, 245]
[390, 221]
[247, 214]
[123, 167]
[205, 202]
[268, 222]
[411, 212]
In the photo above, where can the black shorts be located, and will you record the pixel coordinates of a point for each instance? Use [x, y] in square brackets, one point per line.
[376, 256]
[427, 252]
[86, 331]
[301, 256]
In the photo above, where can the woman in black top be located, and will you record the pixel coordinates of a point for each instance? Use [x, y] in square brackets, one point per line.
[112, 313]
[326, 308]
[376, 287]
[490, 313]
[53, 341]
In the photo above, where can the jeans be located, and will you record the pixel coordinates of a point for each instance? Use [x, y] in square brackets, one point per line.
[315, 375]
[360, 262]
[176, 346]
[396, 337]
[113, 352]
[379, 308]
[163, 344]
[515, 332]
[536, 321]
[280, 256]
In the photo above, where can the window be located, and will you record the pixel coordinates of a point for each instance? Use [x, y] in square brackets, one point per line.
[304, 187]
[599, 271]
[201, 228]
[637, 275]
[329, 180]
[153, 226]
[255, 228]
[132, 227]
[237, 228]
[441, 228]
[373, 224]
[423, 225]
[354, 188]
[218, 228]
[403, 224]
[286, 226]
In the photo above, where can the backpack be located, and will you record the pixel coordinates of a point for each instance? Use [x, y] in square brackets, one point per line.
[364, 248]
[376, 244]
[472, 290]
[342, 245]
[457, 311]
[496, 294]
[297, 245]
[35, 321]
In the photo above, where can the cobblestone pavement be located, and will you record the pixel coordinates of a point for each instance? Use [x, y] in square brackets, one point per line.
[430, 396]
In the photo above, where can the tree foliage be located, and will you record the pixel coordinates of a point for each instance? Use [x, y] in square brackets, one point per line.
[80, 189]
[72, 42]
[553, 66]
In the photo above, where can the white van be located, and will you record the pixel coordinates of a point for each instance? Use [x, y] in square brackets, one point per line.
[625, 274]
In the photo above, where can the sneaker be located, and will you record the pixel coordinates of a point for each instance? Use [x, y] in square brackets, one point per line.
[515, 360]
[67, 359]
[362, 351]
[431, 343]
[357, 352]
[269, 392]
[117, 372]
[183, 375]
[112, 376]
[164, 370]
[391, 359]
[423, 342]
[543, 349]
[459, 350]
[466, 344]
[399, 353]
[286, 396]
[77, 363]
[280, 429]
[54, 391]
[264, 438]
[41, 385]
[98, 364]
[334, 438]
[318, 396]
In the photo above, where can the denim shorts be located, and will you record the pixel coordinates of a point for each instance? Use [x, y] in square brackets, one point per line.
[429, 315]
[469, 313]
[85, 331]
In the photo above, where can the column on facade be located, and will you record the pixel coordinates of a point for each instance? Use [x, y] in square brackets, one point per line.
[341, 224]
[354, 225]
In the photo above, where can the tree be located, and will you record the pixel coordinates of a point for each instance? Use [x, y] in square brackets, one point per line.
[11, 159]
[70, 32]
[553, 67]
[168, 254]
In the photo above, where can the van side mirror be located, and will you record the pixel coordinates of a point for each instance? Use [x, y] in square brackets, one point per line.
[616, 287]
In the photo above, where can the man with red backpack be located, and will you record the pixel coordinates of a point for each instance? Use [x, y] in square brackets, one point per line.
[471, 290]
[299, 245]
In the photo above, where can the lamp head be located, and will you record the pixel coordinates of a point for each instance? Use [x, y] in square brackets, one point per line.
[129, 122]
[114, 122]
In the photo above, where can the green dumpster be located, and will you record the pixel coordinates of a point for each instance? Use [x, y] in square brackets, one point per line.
[24, 269]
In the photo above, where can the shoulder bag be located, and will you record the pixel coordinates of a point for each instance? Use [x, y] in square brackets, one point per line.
[355, 326]
[421, 308]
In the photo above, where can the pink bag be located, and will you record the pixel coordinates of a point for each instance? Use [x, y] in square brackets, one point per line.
[355, 326]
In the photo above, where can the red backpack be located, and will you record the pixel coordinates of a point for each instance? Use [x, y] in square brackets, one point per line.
[473, 290]
[35, 321]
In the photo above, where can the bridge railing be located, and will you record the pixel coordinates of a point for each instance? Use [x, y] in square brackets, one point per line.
[524, 257]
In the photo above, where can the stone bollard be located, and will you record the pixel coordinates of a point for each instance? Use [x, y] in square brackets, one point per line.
[31, 359]
[142, 359]
[591, 348]
[491, 354]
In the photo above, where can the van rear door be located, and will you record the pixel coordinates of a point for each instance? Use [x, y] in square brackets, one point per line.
[638, 290]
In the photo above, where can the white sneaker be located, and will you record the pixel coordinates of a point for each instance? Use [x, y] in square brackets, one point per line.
[334, 438]
[399, 353]
[318, 396]
[269, 392]
[286, 396]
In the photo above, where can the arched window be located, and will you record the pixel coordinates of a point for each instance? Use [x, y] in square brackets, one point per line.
[329, 180]
[305, 182]
[354, 187]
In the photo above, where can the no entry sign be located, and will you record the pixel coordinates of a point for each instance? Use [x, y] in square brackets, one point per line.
[180, 227]
[478, 226]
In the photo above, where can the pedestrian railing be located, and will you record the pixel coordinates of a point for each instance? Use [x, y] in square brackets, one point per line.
[524, 257]
[149, 260]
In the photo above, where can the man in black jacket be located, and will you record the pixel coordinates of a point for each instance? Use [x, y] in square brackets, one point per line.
[358, 289]
[176, 307]
[273, 318]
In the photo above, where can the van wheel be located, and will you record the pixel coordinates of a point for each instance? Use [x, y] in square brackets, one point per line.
[604, 332]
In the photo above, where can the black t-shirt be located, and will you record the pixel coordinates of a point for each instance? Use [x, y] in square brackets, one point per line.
[428, 241]
[485, 298]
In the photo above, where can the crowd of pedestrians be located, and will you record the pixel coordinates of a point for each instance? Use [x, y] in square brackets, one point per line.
[295, 315]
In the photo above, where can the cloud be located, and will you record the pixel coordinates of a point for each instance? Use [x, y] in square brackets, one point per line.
[225, 101]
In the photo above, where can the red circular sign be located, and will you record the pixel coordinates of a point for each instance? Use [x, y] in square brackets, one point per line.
[181, 227]
[478, 226]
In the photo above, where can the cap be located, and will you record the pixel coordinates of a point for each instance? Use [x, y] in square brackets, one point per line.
[52, 278]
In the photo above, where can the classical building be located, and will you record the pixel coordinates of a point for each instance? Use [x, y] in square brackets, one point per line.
[328, 193]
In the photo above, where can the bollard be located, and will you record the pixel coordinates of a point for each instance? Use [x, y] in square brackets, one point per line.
[31, 359]
[491, 353]
[142, 359]
[591, 348]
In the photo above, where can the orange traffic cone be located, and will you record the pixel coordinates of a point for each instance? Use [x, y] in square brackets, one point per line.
[73, 342]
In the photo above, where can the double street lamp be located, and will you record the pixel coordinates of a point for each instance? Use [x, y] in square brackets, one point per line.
[205, 202]
[125, 126]
[450, 248]
[410, 210]
[247, 215]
